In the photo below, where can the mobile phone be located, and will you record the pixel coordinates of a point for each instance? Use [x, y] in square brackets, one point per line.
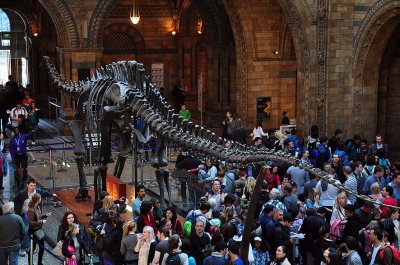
[44, 216]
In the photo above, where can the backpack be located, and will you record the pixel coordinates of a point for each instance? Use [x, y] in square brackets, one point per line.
[322, 156]
[173, 259]
[396, 254]
[189, 224]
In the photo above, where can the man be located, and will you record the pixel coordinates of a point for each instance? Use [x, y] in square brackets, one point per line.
[272, 142]
[310, 185]
[352, 256]
[352, 227]
[379, 144]
[12, 232]
[376, 177]
[290, 200]
[321, 153]
[281, 235]
[18, 147]
[288, 147]
[337, 165]
[201, 212]
[140, 198]
[359, 176]
[364, 215]
[199, 240]
[3, 168]
[185, 113]
[395, 184]
[333, 142]
[292, 137]
[268, 227]
[310, 228]
[350, 185]
[21, 201]
[18, 115]
[375, 236]
[299, 176]
[218, 255]
[274, 201]
[185, 161]
[258, 143]
[233, 252]
[364, 150]
[390, 226]
[387, 193]
[162, 246]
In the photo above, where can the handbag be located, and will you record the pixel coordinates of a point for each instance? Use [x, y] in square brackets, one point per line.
[58, 250]
[39, 234]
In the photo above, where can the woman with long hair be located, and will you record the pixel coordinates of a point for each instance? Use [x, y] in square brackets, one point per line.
[146, 245]
[312, 201]
[281, 256]
[272, 177]
[68, 219]
[36, 221]
[128, 243]
[33, 120]
[73, 246]
[170, 213]
[258, 131]
[146, 217]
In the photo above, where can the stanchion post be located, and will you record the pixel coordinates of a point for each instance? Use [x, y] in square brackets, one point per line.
[141, 169]
[31, 252]
[51, 166]
[90, 158]
[62, 169]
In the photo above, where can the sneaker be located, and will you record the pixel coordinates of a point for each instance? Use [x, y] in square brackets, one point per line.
[33, 142]
[22, 253]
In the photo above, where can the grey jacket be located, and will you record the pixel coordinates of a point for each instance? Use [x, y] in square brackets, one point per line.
[12, 230]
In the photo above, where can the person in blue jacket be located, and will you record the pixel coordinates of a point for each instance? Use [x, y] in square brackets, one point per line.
[18, 147]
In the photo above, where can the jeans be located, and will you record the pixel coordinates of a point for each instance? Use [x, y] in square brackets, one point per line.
[26, 243]
[10, 254]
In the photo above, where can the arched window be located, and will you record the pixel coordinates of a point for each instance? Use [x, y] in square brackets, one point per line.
[5, 62]
[5, 29]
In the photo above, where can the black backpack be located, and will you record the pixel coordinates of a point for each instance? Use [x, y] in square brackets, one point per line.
[173, 259]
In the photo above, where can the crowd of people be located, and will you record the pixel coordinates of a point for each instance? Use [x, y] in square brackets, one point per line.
[348, 217]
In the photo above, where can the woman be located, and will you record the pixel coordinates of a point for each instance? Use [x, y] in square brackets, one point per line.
[338, 218]
[258, 131]
[319, 245]
[157, 211]
[170, 213]
[280, 256]
[128, 243]
[33, 120]
[261, 256]
[146, 217]
[73, 246]
[272, 177]
[333, 257]
[174, 248]
[227, 128]
[35, 222]
[167, 223]
[146, 245]
[304, 157]
[313, 199]
[68, 219]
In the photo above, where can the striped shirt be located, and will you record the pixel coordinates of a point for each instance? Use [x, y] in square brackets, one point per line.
[351, 185]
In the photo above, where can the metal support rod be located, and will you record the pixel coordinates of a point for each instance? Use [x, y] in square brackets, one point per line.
[31, 251]
[90, 158]
[51, 166]
[62, 169]
[141, 169]
[136, 163]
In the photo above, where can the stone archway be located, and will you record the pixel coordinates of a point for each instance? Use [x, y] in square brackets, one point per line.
[64, 22]
[370, 43]
[121, 40]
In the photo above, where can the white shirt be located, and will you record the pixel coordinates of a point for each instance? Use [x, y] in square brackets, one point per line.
[15, 113]
[258, 132]
[373, 255]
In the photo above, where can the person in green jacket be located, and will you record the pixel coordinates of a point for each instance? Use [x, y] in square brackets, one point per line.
[185, 113]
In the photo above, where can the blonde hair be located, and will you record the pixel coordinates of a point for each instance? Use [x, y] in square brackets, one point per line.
[375, 188]
[341, 194]
[108, 202]
[129, 226]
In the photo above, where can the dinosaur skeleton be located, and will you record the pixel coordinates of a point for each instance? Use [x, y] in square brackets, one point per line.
[121, 90]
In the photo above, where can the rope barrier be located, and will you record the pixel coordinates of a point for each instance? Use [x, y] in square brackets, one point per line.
[42, 246]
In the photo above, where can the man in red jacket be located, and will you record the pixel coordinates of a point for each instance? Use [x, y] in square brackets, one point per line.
[387, 193]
